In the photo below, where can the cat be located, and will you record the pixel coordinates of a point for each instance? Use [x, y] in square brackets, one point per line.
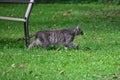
[63, 37]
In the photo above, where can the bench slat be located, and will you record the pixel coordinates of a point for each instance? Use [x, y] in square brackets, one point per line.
[25, 19]
[13, 19]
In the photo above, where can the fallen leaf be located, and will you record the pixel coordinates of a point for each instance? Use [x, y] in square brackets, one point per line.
[22, 66]
[99, 76]
[13, 65]
[8, 27]
[67, 13]
[117, 64]
[62, 72]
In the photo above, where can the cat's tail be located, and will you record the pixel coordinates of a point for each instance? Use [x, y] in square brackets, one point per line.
[23, 38]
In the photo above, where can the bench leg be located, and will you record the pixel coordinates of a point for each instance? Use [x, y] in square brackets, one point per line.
[26, 31]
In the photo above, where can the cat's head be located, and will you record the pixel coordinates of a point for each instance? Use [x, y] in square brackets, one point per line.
[78, 31]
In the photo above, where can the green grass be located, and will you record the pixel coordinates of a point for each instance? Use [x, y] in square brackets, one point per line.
[97, 59]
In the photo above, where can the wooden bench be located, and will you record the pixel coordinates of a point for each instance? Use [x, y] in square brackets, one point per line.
[24, 19]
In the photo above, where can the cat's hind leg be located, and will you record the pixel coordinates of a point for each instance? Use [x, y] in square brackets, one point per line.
[34, 43]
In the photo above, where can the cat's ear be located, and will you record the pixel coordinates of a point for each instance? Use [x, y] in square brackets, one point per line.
[77, 27]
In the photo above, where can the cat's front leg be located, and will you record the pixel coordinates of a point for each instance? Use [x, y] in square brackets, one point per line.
[71, 44]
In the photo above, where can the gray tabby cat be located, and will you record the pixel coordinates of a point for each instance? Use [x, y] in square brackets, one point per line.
[55, 37]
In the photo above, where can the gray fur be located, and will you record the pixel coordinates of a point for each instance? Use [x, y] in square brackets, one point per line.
[56, 37]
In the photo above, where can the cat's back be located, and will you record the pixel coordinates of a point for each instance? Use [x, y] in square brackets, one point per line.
[53, 32]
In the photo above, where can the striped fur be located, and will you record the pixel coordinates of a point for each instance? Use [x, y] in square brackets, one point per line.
[63, 37]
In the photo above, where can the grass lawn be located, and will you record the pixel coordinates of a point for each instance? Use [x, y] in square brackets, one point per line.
[97, 59]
